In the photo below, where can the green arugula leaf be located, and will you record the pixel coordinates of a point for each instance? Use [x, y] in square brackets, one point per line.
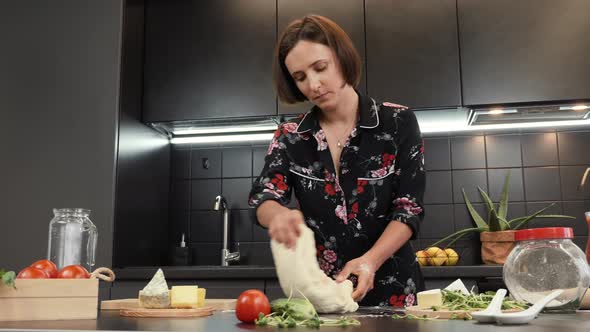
[8, 278]
[293, 312]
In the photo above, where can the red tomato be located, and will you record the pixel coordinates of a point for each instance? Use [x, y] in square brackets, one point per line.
[73, 272]
[250, 304]
[47, 266]
[32, 273]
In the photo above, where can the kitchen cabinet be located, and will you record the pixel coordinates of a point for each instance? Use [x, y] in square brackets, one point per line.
[413, 52]
[216, 289]
[208, 59]
[232, 288]
[524, 51]
[274, 291]
[348, 14]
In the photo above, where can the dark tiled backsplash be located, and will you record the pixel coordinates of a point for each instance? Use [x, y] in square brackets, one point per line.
[545, 168]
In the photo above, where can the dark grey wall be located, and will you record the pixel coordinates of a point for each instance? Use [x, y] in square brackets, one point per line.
[545, 167]
[59, 86]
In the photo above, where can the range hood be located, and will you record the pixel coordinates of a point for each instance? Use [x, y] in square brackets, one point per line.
[498, 115]
[217, 126]
[431, 121]
[219, 130]
[491, 118]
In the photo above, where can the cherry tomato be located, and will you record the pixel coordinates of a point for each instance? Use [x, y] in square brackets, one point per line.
[250, 304]
[47, 266]
[73, 272]
[32, 273]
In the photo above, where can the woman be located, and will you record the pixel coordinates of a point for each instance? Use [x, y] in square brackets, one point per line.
[356, 167]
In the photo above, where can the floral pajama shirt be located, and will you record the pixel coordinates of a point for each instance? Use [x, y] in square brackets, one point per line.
[381, 179]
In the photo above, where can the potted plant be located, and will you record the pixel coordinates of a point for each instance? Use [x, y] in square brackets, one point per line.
[497, 234]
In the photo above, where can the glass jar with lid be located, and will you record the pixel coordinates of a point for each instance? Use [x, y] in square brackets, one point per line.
[72, 238]
[544, 260]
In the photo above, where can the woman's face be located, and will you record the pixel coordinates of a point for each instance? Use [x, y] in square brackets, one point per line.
[316, 71]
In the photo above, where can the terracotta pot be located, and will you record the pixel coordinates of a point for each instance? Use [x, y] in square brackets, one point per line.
[496, 246]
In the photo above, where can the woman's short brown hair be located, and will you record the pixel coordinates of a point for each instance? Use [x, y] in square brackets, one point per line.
[318, 29]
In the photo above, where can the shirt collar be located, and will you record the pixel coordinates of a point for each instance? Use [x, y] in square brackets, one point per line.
[368, 119]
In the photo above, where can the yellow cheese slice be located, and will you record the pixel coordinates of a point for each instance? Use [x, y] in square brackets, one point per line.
[201, 296]
[429, 298]
[184, 297]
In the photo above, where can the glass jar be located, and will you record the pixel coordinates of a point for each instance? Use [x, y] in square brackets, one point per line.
[588, 241]
[72, 238]
[544, 260]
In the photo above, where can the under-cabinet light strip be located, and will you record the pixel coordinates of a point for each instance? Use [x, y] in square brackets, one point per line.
[575, 107]
[495, 111]
[221, 138]
[447, 127]
[222, 130]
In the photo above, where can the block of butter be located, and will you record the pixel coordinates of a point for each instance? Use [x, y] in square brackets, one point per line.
[429, 298]
[187, 297]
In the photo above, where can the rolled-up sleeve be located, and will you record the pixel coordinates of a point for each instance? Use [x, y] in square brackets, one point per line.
[274, 180]
[407, 205]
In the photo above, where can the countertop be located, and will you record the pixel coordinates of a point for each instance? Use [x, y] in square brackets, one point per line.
[269, 272]
[226, 321]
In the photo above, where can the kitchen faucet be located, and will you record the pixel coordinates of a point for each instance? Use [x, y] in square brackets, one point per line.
[226, 256]
[584, 178]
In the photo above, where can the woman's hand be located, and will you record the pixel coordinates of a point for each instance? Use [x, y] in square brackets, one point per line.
[364, 270]
[284, 227]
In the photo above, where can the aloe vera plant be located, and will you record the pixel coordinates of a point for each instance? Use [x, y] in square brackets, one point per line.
[497, 220]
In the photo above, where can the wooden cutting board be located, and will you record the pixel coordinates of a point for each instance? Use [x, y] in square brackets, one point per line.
[586, 301]
[216, 304]
[159, 313]
[443, 314]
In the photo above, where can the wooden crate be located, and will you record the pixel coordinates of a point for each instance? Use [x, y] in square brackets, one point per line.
[49, 299]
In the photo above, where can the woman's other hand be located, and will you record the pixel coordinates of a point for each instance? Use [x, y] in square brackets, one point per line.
[364, 270]
[284, 227]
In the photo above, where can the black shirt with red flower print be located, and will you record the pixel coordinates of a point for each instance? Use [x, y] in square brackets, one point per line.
[381, 179]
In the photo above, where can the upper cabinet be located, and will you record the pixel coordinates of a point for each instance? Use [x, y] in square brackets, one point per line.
[526, 50]
[208, 59]
[213, 59]
[413, 52]
[348, 14]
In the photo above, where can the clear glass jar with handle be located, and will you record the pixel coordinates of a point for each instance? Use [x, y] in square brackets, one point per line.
[544, 260]
[588, 240]
[72, 238]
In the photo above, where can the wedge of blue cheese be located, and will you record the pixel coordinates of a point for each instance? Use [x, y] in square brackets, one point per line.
[155, 294]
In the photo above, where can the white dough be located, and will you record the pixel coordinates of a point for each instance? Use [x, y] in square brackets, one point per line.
[298, 270]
